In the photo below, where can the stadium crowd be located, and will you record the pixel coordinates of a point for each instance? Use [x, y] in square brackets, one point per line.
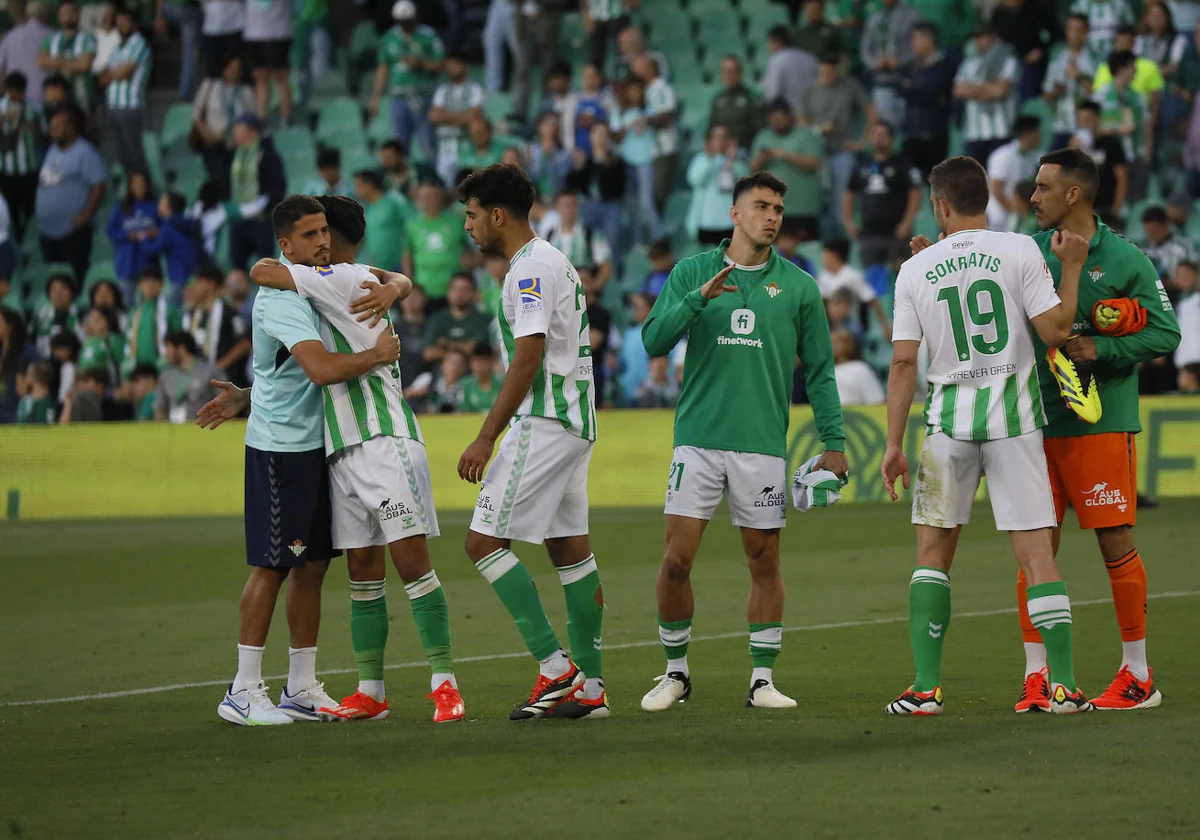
[128, 221]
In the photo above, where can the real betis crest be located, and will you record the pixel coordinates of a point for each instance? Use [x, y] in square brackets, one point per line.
[1096, 273]
[772, 289]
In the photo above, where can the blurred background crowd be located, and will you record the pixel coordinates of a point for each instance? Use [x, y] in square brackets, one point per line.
[144, 145]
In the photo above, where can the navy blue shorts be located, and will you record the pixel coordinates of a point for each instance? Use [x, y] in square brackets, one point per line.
[287, 508]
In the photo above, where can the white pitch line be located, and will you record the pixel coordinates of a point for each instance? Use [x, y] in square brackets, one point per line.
[492, 657]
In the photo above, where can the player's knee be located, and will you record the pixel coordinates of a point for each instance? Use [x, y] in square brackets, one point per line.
[763, 565]
[676, 566]
[479, 546]
[1115, 542]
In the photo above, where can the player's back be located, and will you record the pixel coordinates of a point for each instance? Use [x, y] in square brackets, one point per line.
[543, 295]
[971, 297]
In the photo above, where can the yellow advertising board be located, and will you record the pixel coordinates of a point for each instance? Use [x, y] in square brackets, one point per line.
[152, 469]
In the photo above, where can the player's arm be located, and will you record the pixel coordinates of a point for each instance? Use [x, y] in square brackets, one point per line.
[1053, 321]
[677, 309]
[325, 368]
[373, 306]
[1159, 337]
[527, 359]
[902, 384]
[273, 274]
[815, 349]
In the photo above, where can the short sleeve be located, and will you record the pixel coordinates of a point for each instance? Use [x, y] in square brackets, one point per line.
[330, 288]
[534, 290]
[1037, 284]
[94, 172]
[439, 96]
[1011, 69]
[960, 75]
[601, 250]
[477, 96]
[906, 326]
[289, 320]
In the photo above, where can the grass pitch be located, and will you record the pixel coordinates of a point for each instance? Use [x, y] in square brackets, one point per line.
[95, 607]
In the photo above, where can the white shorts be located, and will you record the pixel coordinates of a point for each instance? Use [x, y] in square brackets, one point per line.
[1018, 482]
[380, 492]
[755, 484]
[536, 488]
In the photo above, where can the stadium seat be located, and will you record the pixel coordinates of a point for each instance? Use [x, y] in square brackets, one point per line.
[760, 21]
[295, 143]
[635, 269]
[666, 18]
[379, 129]
[676, 209]
[498, 106]
[356, 160]
[339, 117]
[154, 159]
[572, 36]
[364, 43]
[718, 25]
[177, 124]
[97, 271]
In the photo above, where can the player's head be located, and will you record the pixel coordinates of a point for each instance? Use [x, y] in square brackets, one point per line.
[347, 226]
[958, 190]
[497, 200]
[1066, 183]
[758, 208]
[302, 230]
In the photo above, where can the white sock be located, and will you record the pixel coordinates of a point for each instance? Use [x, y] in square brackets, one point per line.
[593, 688]
[760, 674]
[249, 672]
[373, 689]
[679, 665]
[302, 668]
[1035, 657]
[1133, 654]
[555, 665]
[437, 679]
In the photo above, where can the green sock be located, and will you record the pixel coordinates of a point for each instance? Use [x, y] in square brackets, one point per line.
[1050, 612]
[928, 621]
[766, 641]
[368, 626]
[432, 617]
[675, 636]
[585, 614]
[511, 581]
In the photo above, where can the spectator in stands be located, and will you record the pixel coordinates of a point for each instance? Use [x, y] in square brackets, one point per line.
[238, 292]
[830, 108]
[178, 239]
[55, 98]
[857, 384]
[150, 321]
[601, 178]
[189, 17]
[71, 187]
[735, 105]
[631, 44]
[410, 59]
[64, 356]
[1069, 79]
[816, 35]
[124, 80]
[85, 402]
[386, 216]
[459, 326]
[1125, 114]
[106, 294]
[659, 389]
[633, 362]
[837, 273]
[439, 393]
[631, 127]
[711, 175]
[211, 216]
[1029, 30]
[221, 35]
[1108, 152]
[662, 112]
[479, 149]
[132, 228]
[482, 386]
[400, 177]
[222, 336]
[548, 162]
[1186, 284]
[186, 381]
[889, 185]
[886, 49]
[926, 86]
[1147, 76]
[1013, 163]
[329, 180]
[795, 155]
[257, 183]
[268, 42]
[988, 82]
[220, 101]
[499, 42]
[14, 356]
[20, 150]
[457, 102]
[37, 405]
[70, 52]
[143, 391]
[410, 329]
[790, 71]
[558, 96]
[661, 263]
[603, 20]
[586, 247]
[437, 244]
[8, 250]
[56, 315]
[1104, 18]
[1159, 40]
[21, 47]
[842, 312]
[103, 345]
[593, 104]
[1165, 247]
[537, 24]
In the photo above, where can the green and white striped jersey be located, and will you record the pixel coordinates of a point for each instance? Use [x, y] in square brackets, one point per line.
[18, 128]
[1072, 92]
[971, 298]
[125, 94]
[456, 99]
[990, 119]
[1104, 18]
[61, 45]
[373, 404]
[542, 295]
[605, 9]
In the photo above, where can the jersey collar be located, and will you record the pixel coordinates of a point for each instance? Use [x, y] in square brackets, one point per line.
[726, 261]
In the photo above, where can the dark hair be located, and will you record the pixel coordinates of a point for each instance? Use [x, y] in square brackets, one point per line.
[455, 55]
[345, 216]
[17, 335]
[291, 210]
[151, 271]
[713, 127]
[1026, 122]
[840, 247]
[1170, 30]
[930, 29]
[124, 9]
[16, 80]
[1076, 165]
[482, 348]
[777, 104]
[66, 340]
[1118, 61]
[1189, 264]
[1089, 105]
[394, 146]
[1154, 214]
[144, 371]
[41, 373]
[176, 202]
[500, 185]
[55, 81]
[1193, 368]
[98, 375]
[781, 34]
[560, 67]
[844, 294]
[128, 199]
[568, 193]
[830, 57]
[465, 275]
[1084, 19]
[761, 178]
[111, 319]
[1126, 29]
[372, 177]
[891, 129]
[117, 297]
[962, 183]
[210, 272]
[209, 195]
[62, 277]
[183, 339]
[659, 248]
[328, 157]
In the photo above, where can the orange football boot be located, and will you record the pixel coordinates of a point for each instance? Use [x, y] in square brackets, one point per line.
[357, 706]
[1127, 692]
[447, 703]
[1035, 694]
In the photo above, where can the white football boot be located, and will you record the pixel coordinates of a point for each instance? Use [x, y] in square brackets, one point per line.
[764, 695]
[250, 707]
[672, 688]
[305, 703]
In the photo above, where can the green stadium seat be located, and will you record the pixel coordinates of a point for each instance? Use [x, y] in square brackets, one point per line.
[379, 128]
[364, 42]
[328, 87]
[498, 106]
[676, 209]
[666, 19]
[338, 117]
[760, 21]
[636, 268]
[154, 159]
[295, 143]
[718, 25]
[356, 160]
[572, 35]
[97, 271]
[177, 124]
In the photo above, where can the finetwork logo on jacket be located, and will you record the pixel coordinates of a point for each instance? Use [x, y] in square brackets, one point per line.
[741, 323]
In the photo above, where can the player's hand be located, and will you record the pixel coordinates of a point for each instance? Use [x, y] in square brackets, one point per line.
[387, 348]
[895, 465]
[1080, 348]
[1070, 248]
[918, 244]
[374, 305]
[717, 286]
[230, 403]
[833, 461]
[473, 462]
